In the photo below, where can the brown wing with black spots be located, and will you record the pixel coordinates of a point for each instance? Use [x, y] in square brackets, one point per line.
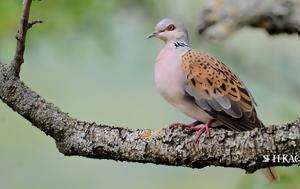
[218, 91]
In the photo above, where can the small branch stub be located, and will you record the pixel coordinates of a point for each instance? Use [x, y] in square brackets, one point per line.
[30, 24]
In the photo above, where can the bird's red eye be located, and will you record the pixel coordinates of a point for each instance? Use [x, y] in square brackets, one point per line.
[171, 27]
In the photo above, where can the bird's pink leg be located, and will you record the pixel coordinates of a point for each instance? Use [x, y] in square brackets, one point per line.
[193, 126]
[189, 126]
[205, 127]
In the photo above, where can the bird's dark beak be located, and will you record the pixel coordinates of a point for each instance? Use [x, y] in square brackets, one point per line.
[152, 35]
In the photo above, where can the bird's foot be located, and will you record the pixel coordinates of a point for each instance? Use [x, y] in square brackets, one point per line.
[195, 127]
[188, 126]
[202, 129]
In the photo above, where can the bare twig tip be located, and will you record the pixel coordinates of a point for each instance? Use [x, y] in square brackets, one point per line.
[21, 37]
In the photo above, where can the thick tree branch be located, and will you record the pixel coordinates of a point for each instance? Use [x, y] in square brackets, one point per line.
[174, 147]
[167, 146]
[220, 18]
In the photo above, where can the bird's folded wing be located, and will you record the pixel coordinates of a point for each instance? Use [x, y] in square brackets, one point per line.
[218, 91]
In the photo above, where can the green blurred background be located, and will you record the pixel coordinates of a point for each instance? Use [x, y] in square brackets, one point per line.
[92, 60]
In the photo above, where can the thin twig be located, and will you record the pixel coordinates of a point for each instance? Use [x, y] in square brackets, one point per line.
[21, 38]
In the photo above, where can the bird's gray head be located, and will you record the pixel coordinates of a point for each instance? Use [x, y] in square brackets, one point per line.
[170, 30]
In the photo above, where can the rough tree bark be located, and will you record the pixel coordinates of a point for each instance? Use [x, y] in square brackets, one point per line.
[220, 18]
[174, 147]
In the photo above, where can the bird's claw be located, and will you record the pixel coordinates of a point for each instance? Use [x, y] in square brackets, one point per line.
[188, 126]
[201, 130]
[195, 127]
[181, 125]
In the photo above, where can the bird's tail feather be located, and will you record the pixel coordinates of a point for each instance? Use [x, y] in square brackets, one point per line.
[271, 174]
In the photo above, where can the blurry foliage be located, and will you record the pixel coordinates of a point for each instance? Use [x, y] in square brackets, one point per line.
[91, 58]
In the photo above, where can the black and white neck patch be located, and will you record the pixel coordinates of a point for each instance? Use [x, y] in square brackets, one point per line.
[180, 44]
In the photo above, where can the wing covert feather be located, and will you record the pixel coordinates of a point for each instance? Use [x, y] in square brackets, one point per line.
[218, 91]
